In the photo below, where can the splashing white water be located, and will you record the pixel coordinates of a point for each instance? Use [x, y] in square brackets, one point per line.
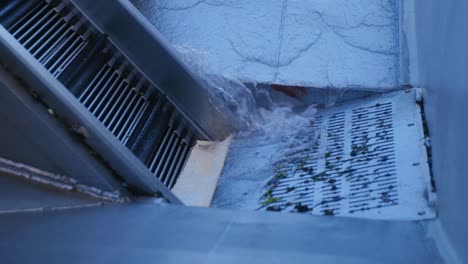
[250, 108]
[270, 133]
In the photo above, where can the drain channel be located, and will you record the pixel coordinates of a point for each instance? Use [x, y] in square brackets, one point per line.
[132, 109]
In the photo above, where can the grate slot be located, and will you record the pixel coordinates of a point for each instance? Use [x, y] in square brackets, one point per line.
[58, 54]
[155, 159]
[165, 175]
[93, 88]
[135, 118]
[123, 100]
[135, 122]
[56, 45]
[69, 55]
[43, 28]
[33, 26]
[124, 111]
[130, 116]
[172, 172]
[118, 82]
[43, 44]
[30, 17]
[100, 89]
[164, 157]
[116, 106]
[104, 114]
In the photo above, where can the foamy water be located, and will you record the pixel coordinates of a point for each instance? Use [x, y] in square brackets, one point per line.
[241, 103]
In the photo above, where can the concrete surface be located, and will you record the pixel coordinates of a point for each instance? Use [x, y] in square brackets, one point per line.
[22, 195]
[143, 233]
[312, 43]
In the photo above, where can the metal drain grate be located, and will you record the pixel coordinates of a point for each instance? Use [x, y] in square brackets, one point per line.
[168, 158]
[115, 102]
[104, 81]
[50, 33]
[369, 160]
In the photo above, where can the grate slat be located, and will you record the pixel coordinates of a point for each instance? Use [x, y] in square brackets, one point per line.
[26, 24]
[125, 109]
[164, 156]
[159, 150]
[112, 101]
[132, 111]
[135, 122]
[165, 174]
[109, 79]
[119, 81]
[41, 29]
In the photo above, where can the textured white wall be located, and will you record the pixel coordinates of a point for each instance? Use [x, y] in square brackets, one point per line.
[316, 43]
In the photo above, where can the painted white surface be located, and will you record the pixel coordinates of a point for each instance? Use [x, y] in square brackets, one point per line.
[197, 182]
[314, 43]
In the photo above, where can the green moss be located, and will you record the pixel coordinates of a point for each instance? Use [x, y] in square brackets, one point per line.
[281, 175]
[270, 200]
[268, 194]
[279, 167]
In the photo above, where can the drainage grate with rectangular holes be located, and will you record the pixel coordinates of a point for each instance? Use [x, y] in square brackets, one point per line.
[104, 81]
[368, 160]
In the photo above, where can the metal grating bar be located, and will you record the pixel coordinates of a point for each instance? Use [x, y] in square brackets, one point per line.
[28, 20]
[57, 55]
[68, 55]
[93, 88]
[129, 115]
[43, 28]
[125, 108]
[166, 174]
[111, 114]
[71, 56]
[180, 163]
[125, 97]
[43, 48]
[25, 17]
[171, 174]
[33, 28]
[108, 79]
[135, 122]
[165, 151]
[98, 110]
[55, 45]
[111, 102]
[154, 161]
